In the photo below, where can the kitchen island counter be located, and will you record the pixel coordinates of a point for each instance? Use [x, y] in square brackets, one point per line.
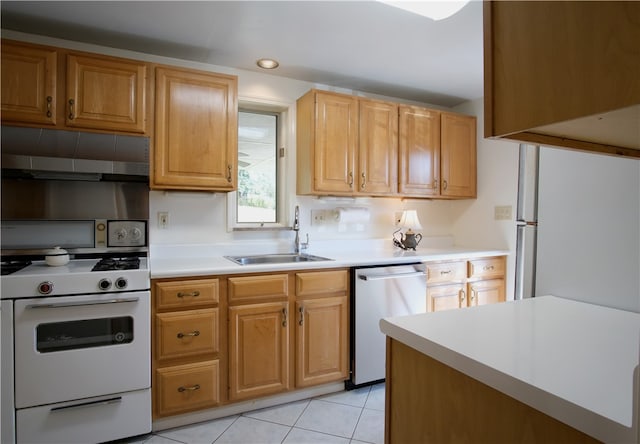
[575, 362]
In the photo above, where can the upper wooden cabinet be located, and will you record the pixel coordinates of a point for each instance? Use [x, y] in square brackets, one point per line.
[196, 130]
[564, 74]
[346, 145]
[437, 153]
[396, 151]
[29, 84]
[72, 90]
[105, 93]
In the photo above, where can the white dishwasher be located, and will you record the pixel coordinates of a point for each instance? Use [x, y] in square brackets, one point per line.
[381, 292]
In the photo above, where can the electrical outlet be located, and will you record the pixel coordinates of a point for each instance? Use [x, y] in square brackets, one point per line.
[163, 219]
[502, 212]
[398, 216]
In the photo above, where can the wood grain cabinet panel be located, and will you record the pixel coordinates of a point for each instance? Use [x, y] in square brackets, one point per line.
[196, 130]
[190, 294]
[419, 151]
[486, 292]
[322, 351]
[186, 333]
[258, 349]
[446, 272]
[458, 168]
[188, 387]
[106, 93]
[247, 289]
[487, 267]
[29, 75]
[322, 283]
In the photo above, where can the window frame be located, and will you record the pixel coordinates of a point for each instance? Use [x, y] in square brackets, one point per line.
[282, 113]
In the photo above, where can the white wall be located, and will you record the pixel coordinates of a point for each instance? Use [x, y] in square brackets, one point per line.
[474, 224]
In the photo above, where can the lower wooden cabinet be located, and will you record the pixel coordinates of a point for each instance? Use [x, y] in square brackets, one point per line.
[273, 349]
[187, 387]
[258, 349]
[187, 350]
[322, 349]
[458, 284]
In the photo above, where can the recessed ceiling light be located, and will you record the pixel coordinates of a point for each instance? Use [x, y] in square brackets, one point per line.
[268, 63]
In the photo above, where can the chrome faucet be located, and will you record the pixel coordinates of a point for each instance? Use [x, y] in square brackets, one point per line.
[296, 228]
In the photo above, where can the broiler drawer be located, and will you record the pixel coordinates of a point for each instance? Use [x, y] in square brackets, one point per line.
[186, 333]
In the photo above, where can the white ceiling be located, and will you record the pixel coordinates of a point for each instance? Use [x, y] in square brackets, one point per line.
[361, 45]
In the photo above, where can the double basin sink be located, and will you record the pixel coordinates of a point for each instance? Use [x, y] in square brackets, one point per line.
[277, 258]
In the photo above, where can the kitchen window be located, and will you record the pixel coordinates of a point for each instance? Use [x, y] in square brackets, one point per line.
[258, 202]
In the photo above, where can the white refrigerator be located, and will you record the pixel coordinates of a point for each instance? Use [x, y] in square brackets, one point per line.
[578, 227]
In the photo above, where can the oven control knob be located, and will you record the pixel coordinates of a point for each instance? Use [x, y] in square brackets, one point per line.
[121, 283]
[121, 234]
[104, 284]
[136, 234]
[45, 287]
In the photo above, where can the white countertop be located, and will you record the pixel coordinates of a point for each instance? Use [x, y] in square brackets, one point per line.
[571, 360]
[168, 261]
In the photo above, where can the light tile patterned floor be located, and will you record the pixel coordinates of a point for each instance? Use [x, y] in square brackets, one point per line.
[349, 417]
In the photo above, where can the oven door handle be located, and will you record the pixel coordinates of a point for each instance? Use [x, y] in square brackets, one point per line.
[82, 304]
[89, 404]
[380, 277]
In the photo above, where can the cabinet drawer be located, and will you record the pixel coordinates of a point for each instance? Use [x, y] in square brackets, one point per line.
[187, 294]
[446, 272]
[186, 333]
[322, 283]
[187, 387]
[258, 288]
[487, 267]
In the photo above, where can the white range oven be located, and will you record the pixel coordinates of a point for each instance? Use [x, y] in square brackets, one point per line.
[76, 347]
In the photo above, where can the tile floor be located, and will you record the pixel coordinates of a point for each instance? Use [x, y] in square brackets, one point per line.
[348, 417]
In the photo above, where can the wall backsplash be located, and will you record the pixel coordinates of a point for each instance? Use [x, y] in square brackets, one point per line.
[199, 217]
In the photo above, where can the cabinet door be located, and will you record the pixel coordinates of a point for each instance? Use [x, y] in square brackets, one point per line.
[377, 148]
[258, 350]
[105, 93]
[419, 150]
[196, 131]
[28, 84]
[458, 150]
[486, 292]
[336, 140]
[446, 297]
[322, 351]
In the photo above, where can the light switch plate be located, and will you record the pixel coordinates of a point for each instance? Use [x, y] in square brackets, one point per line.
[503, 212]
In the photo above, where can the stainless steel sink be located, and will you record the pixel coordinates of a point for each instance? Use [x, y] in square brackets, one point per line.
[277, 258]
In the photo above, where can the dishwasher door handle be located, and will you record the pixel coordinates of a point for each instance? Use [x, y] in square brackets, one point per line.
[380, 277]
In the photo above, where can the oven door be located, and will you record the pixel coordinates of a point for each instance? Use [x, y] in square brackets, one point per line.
[81, 346]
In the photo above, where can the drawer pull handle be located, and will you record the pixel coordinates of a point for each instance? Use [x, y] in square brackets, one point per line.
[71, 103]
[445, 185]
[229, 177]
[364, 180]
[350, 179]
[192, 334]
[472, 294]
[462, 295]
[301, 321]
[284, 317]
[189, 389]
[191, 293]
[445, 272]
[487, 267]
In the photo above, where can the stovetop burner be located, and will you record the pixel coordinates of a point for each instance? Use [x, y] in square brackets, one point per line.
[125, 263]
[11, 266]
